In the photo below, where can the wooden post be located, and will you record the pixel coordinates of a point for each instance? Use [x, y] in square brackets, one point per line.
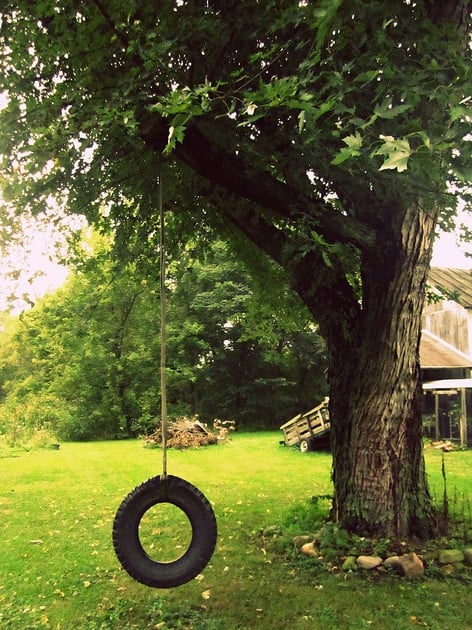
[436, 416]
[463, 419]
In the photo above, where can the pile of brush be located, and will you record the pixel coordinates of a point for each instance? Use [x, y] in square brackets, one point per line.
[183, 433]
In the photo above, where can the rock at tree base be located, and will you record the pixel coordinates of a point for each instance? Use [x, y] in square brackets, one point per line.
[450, 556]
[298, 541]
[409, 565]
[368, 562]
[391, 562]
[309, 549]
[349, 564]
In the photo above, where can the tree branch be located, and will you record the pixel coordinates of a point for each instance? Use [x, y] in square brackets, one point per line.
[110, 23]
[325, 290]
[232, 173]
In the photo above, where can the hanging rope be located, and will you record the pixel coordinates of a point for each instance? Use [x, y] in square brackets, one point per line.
[162, 256]
[164, 489]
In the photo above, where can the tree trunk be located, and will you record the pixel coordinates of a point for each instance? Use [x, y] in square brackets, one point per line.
[375, 396]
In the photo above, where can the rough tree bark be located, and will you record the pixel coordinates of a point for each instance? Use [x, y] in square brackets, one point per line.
[378, 470]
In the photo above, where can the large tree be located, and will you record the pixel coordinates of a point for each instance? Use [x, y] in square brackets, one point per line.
[332, 134]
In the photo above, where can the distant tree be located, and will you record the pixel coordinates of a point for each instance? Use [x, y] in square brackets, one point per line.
[334, 135]
[88, 355]
[231, 353]
[88, 348]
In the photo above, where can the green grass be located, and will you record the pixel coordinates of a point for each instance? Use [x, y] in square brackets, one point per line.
[58, 568]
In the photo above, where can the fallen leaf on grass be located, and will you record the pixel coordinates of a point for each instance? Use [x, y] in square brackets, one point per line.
[206, 594]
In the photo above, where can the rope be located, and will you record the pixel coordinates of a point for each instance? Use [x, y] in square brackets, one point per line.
[162, 257]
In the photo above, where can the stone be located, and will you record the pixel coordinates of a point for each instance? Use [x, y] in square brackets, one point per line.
[349, 564]
[298, 541]
[468, 556]
[368, 562]
[450, 556]
[410, 565]
[391, 562]
[309, 549]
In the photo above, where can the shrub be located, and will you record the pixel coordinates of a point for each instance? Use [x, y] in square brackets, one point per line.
[28, 425]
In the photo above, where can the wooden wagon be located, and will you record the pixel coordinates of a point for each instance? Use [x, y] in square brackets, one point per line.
[305, 428]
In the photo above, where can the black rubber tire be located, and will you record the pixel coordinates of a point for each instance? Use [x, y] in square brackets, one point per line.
[128, 547]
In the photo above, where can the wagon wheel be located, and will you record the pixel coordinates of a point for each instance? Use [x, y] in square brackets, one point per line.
[305, 446]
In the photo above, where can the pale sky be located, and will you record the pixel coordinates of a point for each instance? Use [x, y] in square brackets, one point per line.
[447, 253]
[38, 271]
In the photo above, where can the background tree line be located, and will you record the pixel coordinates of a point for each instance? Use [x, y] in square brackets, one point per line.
[84, 361]
[333, 136]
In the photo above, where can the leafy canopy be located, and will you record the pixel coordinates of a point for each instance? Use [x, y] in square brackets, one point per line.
[308, 126]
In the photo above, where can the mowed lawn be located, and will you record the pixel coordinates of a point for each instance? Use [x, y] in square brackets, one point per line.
[58, 568]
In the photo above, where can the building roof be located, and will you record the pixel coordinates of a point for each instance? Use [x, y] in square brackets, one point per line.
[455, 283]
[436, 353]
[448, 383]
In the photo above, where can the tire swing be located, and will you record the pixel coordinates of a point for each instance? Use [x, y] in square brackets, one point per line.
[136, 508]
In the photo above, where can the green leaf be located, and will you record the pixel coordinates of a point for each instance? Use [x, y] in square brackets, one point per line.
[301, 121]
[398, 161]
[459, 111]
[396, 152]
[354, 143]
[367, 77]
[386, 110]
[426, 139]
[345, 154]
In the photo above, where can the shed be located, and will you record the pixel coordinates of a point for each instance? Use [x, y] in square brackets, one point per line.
[451, 386]
[437, 353]
[455, 284]
[449, 316]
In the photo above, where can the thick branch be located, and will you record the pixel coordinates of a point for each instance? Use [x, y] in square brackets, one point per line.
[265, 236]
[232, 173]
[324, 290]
[329, 297]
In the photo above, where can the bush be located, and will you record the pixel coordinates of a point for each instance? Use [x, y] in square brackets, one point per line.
[28, 425]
